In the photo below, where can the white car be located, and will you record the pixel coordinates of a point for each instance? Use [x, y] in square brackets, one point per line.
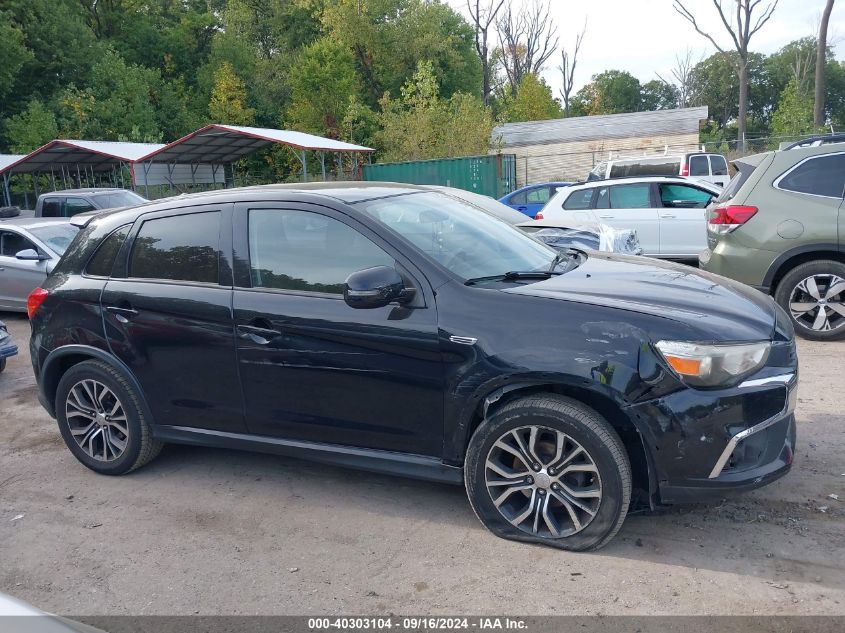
[668, 212]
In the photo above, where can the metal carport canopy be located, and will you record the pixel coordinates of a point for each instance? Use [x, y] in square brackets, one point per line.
[95, 155]
[225, 144]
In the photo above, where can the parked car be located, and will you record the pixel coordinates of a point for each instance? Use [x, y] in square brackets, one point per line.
[67, 203]
[383, 328]
[775, 228]
[561, 235]
[29, 250]
[530, 199]
[7, 346]
[667, 212]
[712, 168]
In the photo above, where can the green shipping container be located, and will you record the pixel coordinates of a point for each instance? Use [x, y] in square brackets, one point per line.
[493, 175]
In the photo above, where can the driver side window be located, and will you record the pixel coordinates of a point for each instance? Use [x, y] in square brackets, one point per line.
[306, 251]
[12, 243]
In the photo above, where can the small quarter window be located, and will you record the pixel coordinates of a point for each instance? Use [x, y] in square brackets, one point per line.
[698, 166]
[101, 264]
[579, 200]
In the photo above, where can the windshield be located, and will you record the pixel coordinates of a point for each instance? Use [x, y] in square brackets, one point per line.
[115, 199]
[464, 240]
[56, 236]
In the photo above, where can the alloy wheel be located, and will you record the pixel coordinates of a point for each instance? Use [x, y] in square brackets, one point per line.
[818, 302]
[543, 482]
[97, 420]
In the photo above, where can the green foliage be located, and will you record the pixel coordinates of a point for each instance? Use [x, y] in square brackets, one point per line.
[533, 101]
[13, 52]
[322, 81]
[228, 98]
[795, 112]
[610, 92]
[658, 95]
[420, 125]
[31, 129]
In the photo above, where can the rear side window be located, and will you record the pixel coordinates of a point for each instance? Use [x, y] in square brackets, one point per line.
[718, 165]
[51, 208]
[683, 196]
[538, 196]
[517, 198]
[698, 166]
[300, 250]
[100, 265]
[179, 248]
[579, 200]
[630, 196]
[820, 176]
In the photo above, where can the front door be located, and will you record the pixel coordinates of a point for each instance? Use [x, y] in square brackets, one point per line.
[167, 315]
[313, 368]
[630, 207]
[18, 277]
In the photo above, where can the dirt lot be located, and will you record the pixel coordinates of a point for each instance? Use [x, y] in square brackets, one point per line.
[216, 532]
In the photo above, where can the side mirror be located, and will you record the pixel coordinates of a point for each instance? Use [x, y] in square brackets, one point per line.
[29, 255]
[375, 288]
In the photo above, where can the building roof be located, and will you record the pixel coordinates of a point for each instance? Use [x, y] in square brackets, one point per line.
[225, 144]
[99, 155]
[598, 127]
[9, 159]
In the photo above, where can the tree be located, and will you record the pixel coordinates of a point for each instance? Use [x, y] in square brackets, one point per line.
[821, 50]
[794, 114]
[228, 98]
[420, 125]
[483, 16]
[322, 80]
[741, 33]
[533, 101]
[567, 69]
[528, 39]
[32, 128]
[714, 83]
[610, 92]
[658, 95]
[13, 52]
[682, 74]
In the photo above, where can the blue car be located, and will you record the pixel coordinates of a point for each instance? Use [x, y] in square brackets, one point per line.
[531, 198]
[7, 346]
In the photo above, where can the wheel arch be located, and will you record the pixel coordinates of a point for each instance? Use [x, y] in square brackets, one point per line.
[800, 255]
[61, 359]
[642, 467]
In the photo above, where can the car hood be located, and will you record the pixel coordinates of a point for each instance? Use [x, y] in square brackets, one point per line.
[715, 308]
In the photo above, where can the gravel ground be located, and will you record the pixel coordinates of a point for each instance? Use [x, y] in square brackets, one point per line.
[224, 532]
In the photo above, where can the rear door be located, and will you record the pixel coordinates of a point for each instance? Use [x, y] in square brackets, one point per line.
[630, 206]
[167, 315]
[683, 219]
[18, 277]
[719, 170]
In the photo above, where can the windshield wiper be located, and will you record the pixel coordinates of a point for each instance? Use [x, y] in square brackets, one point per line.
[513, 275]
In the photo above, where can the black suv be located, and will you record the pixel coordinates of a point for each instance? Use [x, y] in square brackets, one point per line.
[401, 330]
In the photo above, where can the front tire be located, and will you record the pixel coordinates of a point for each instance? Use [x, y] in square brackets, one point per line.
[547, 469]
[813, 295]
[102, 420]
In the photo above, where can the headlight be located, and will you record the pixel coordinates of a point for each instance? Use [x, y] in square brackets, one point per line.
[701, 365]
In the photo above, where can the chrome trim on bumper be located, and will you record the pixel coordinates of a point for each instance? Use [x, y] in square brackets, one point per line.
[785, 380]
[782, 378]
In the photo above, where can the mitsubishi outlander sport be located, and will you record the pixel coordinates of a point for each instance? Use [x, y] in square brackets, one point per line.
[385, 329]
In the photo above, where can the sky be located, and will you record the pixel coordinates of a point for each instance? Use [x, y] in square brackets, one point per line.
[644, 36]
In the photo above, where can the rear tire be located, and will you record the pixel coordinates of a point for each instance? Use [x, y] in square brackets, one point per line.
[2, 365]
[813, 295]
[102, 420]
[576, 490]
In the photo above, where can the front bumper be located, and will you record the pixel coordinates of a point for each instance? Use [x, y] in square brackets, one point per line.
[705, 444]
[7, 347]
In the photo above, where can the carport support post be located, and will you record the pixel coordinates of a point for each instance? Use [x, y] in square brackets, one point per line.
[323, 164]
[6, 190]
[301, 157]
